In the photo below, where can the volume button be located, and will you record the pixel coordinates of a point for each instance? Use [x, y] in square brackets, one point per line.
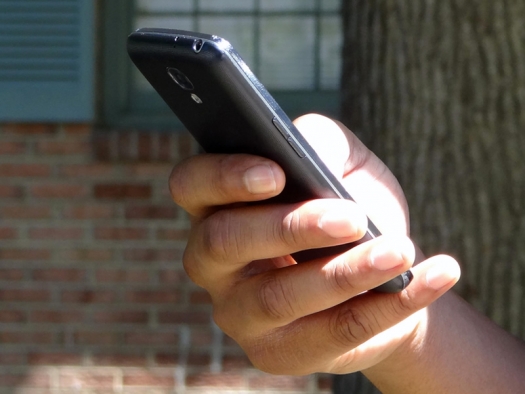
[296, 147]
[279, 126]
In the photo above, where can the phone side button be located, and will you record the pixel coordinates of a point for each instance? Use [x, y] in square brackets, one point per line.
[296, 147]
[280, 126]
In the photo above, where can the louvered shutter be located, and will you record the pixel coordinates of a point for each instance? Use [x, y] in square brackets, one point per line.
[46, 60]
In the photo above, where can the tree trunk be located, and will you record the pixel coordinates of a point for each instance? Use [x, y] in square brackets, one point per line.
[437, 90]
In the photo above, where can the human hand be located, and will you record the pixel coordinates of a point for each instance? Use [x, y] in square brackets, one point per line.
[314, 317]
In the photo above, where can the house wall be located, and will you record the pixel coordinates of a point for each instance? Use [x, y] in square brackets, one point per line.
[93, 296]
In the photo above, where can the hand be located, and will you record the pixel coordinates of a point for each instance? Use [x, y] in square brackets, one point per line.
[318, 316]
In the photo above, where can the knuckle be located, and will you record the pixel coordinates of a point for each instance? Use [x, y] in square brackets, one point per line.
[269, 366]
[290, 231]
[342, 281]
[276, 299]
[262, 358]
[220, 240]
[351, 327]
[403, 305]
[190, 265]
[178, 185]
[272, 355]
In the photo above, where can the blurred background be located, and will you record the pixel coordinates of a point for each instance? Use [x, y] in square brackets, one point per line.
[93, 297]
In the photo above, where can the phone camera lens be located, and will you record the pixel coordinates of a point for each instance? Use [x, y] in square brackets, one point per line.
[179, 78]
[197, 45]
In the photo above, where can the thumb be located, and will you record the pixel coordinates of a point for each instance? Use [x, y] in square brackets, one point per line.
[366, 177]
[327, 139]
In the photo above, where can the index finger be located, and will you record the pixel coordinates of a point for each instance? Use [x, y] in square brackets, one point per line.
[200, 183]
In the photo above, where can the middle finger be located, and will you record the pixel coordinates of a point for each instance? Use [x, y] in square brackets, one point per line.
[228, 240]
[278, 297]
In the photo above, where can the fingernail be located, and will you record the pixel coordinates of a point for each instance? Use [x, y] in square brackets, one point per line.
[391, 253]
[336, 223]
[260, 180]
[441, 275]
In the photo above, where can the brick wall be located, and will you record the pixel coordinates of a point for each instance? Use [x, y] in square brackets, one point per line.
[93, 297]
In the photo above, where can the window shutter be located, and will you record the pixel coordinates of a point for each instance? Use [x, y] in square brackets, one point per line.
[46, 60]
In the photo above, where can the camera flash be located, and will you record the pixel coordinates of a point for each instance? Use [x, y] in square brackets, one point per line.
[196, 98]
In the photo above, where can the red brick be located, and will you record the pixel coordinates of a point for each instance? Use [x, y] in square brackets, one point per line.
[186, 317]
[125, 146]
[145, 146]
[201, 336]
[84, 254]
[30, 128]
[12, 147]
[148, 378]
[216, 380]
[166, 212]
[167, 359]
[78, 129]
[89, 211]
[171, 277]
[122, 191]
[12, 316]
[102, 147]
[26, 337]
[152, 338]
[49, 316]
[153, 296]
[24, 254]
[266, 381]
[150, 170]
[149, 254]
[174, 234]
[29, 379]
[56, 233]
[12, 358]
[36, 378]
[86, 380]
[140, 254]
[96, 338]
[24, 295]
[11, 274]
[25, 211]
[193, 359]
[87, 170]
[236, 362]
[325, 382]
[11, 191]
[165, 153]
[59, 190]
[59, 275]
[25, 170]
[88, 296]
[122, 276]
[42, 358]
[120, 360]
[8, 233]
[200, 297]
[120, 233]
[63, 147]
[134, 317]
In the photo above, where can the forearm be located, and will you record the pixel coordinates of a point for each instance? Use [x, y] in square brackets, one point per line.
[459, 351]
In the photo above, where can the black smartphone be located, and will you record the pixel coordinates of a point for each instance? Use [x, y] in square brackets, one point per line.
[224, 106]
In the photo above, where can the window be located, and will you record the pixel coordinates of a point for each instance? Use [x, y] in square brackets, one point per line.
[46, 60]
[293, 46]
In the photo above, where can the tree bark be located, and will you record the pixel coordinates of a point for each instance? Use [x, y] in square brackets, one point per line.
[437, 90]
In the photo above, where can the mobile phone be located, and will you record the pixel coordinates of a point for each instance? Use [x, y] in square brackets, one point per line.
[223, 105]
